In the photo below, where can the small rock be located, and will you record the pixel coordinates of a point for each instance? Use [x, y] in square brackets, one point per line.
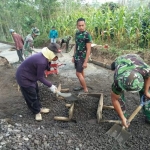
[1, 137]
[9, 129]
[29, 136]
[26, 139]
[69, 141]
[16, 130]
[36, 142]
[3, 143]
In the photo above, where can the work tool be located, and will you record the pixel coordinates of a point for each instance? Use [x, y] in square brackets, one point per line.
[118, 132]
[111, 121]
[72, 98]
[62, 95]
[65, 95]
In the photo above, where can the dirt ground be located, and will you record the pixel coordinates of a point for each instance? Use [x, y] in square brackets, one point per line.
[90, 134]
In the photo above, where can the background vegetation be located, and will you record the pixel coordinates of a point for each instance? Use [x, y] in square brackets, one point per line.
[117, 25]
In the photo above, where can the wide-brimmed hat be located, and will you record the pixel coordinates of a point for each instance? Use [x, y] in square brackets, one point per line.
[48, 54]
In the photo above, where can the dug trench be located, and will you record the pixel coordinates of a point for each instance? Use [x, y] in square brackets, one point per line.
[19, 130]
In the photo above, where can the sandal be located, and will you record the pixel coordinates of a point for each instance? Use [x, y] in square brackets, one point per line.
[78, 88]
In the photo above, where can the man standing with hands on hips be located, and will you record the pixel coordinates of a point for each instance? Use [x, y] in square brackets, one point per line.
[81, 53]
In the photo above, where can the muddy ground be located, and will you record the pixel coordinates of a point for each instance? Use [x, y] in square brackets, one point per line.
[83, 133]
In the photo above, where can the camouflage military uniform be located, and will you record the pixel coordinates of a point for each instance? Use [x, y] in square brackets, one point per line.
[81, 38]
[28, 45]
[126, 63]
[66, 40]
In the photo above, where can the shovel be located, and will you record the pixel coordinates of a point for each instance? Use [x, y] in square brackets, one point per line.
[118, 132]
[64, 94]
[72, 98]
[68, 96]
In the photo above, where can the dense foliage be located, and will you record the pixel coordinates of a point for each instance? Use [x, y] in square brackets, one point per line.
[110, 23]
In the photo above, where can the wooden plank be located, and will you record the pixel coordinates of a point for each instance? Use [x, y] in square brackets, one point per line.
[100, 107]
[65, 90]
[68, 105]
[59, 89]
[91, 94]
[108, 107]
[61, 118]
[71, 111]
[112, 121]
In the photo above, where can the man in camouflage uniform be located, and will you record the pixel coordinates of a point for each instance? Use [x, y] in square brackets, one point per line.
[131, 74]
[81, 52]
[28, 42]
[66, 40]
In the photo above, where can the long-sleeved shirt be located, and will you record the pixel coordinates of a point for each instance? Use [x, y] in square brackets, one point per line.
[28, 43]
[18, 41]
[32, 70]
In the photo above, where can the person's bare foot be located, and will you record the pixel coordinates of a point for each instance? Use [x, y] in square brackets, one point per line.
[86, 90]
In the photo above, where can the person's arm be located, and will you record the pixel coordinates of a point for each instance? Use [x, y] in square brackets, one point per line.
[30, 44]
[116, 104]
[22, 40]
[147, 87]
[88, 50]
[62, 41]
[50, 34]
[40, 75]
[74, 53]
[88, 46]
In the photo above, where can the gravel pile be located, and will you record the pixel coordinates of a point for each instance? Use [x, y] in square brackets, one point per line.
[24, 133]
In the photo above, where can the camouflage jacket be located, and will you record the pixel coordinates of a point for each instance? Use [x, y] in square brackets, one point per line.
[28, 43]
[127, 63]
[66, 39]
[81, 38]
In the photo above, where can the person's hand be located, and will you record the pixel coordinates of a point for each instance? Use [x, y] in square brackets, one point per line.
[147, 95]
[125, 122]
[53, 88]
[73, 59]
[84, 65]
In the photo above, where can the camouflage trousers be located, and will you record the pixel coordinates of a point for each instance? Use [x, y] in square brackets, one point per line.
[145, 109]
[27, 53]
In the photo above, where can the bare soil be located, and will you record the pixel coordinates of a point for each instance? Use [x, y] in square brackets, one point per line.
[87, 132]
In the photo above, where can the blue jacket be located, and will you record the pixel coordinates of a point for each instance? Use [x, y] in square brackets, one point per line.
[53, 34]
